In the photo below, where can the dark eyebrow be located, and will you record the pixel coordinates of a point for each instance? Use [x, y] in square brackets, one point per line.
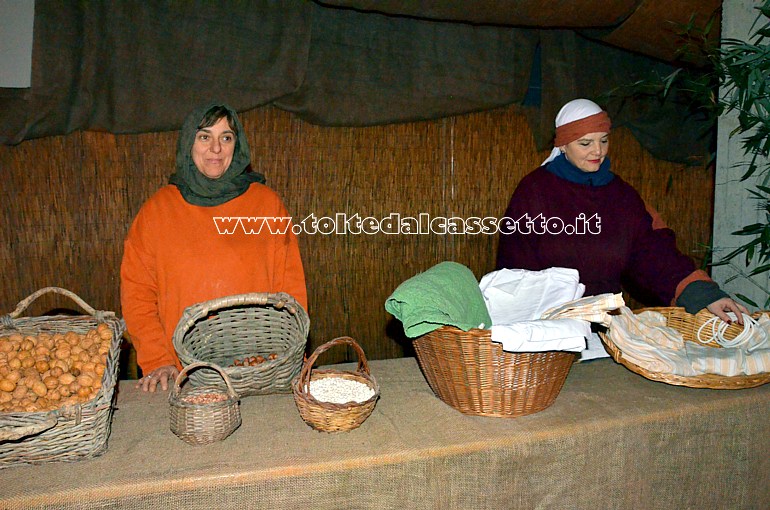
[207, 130]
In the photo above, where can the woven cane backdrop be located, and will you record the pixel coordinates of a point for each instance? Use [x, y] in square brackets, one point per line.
[69, 200]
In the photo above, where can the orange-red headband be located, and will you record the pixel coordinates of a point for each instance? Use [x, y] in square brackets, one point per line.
[571, 131]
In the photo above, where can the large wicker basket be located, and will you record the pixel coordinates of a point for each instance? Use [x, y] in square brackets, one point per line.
[688, 324]
[330, 416]
[474, 375]
[199, 423]
[223, 330]
[70, 434]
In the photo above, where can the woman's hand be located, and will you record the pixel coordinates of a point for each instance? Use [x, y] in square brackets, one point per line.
[720, 307]
[164, 376]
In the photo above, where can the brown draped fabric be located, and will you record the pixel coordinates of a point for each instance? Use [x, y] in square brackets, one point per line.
[130, 67]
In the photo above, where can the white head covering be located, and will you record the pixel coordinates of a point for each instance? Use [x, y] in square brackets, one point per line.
[574, 110]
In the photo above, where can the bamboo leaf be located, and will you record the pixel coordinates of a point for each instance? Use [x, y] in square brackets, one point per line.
[760, 269]
[746, 300]
[669, 80]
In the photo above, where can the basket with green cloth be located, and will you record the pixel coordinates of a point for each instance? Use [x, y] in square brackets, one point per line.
[447, 294]
[443, 310]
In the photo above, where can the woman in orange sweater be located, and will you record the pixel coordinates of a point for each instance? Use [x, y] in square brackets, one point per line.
[183, 247]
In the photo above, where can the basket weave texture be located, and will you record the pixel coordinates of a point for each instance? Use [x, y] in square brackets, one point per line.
[203, 423]
[235, 327]
[688, 324]
[474, 375]
[65, 434]
[329, 416]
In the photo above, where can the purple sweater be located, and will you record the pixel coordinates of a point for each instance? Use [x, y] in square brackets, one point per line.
[607, 236]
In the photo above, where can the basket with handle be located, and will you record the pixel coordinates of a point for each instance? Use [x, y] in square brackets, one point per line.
[75, 430]
[204, 414]
[688, 325]
[330, 416]
[231, 328]
[469, 372]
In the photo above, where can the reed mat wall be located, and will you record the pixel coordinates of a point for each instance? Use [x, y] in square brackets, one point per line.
[68, 201]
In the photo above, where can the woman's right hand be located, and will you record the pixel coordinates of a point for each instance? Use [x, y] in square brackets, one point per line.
[164, 376]
[721, 307]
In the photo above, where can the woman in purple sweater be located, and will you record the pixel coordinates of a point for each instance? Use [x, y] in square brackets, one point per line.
[574, 212]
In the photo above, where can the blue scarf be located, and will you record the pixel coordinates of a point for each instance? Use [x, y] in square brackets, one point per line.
[561, 167]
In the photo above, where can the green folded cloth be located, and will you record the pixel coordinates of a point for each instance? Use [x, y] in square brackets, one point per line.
[446, 294]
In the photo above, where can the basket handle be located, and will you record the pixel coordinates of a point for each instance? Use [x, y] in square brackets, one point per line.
[14, 433]
[213, 366]
[24, 303]
[363, 365]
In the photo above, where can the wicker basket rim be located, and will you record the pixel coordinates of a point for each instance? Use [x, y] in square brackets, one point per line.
[278, 300]
[194, 313]
[481, 334]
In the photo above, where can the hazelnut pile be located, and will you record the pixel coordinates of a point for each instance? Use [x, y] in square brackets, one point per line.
[205, 398]
[49, 371]
[253, 360]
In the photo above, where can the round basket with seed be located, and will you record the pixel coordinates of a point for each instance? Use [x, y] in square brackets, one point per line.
[204, 414]
[331, 400]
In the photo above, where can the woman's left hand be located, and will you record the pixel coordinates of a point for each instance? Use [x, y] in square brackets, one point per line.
[162, 376]
[720, 307]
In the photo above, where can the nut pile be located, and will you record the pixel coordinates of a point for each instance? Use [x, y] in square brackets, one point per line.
[337, 390]
[48, 371]
[205, 398]
[253, 360]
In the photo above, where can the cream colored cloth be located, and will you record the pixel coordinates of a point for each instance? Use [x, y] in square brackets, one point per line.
[645, 341]
[647, 344]
[591, 308]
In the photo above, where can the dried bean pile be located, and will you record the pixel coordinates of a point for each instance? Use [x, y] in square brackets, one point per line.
[337, 390]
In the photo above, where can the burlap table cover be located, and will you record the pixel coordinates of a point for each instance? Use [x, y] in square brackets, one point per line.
[612, 440]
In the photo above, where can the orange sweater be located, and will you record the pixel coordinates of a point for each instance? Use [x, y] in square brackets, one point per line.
[174, 257]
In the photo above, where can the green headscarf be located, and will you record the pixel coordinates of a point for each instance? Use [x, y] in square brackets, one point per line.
[195, 187]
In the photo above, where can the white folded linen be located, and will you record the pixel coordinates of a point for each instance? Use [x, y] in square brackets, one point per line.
[542, 335]
[594, 349]
[514, 295]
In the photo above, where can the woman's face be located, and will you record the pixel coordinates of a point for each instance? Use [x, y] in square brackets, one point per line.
[587, 152]
[212, 151]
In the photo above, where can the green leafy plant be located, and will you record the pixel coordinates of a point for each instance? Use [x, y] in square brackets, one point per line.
[741, 70]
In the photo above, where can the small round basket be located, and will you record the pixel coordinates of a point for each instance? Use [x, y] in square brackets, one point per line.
[688, 324]
[329, 416]
[205, 414]
[230, 328]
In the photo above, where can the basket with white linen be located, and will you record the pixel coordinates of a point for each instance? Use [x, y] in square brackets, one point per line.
[469, 372]
[689, 325]
[69, 417]
[228, 330]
